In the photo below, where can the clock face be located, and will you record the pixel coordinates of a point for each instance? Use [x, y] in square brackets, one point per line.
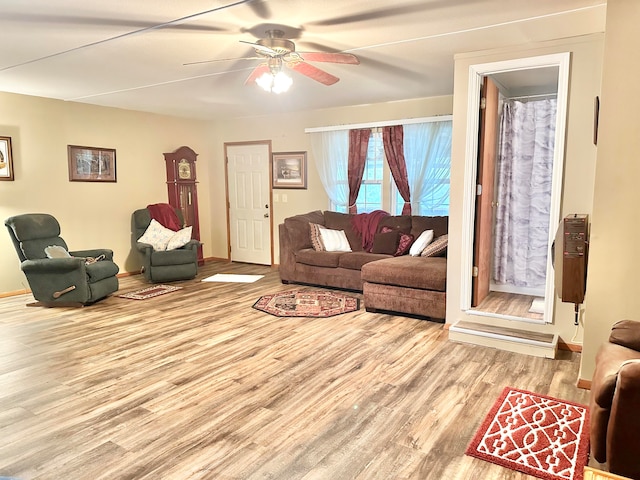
[184, 169]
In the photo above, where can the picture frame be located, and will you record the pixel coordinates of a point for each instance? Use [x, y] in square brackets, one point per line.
[91, 164]
[289, 170]
[6, 159]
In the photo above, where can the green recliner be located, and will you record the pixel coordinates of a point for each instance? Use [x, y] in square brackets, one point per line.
[81, 278]
[167, 265]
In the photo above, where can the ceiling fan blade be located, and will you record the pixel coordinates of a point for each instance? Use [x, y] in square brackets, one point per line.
[262, 48]
[222, 60]
[260, 8]
[347, 58]
[313, 72]
[255, 74]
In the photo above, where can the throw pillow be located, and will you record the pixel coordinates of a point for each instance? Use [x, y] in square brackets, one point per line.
[386, 242]
[437, 247]
[404, 243]
[180, 238]
[334, 240]
[56, 251]
[406, 240]
[316, 241]
[421, 243]
[157, 236]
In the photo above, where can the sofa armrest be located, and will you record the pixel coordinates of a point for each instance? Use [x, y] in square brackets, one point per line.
[626, 333]
[53, 265]
[623, 443]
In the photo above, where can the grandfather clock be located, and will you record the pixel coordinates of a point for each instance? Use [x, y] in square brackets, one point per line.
[181, 185]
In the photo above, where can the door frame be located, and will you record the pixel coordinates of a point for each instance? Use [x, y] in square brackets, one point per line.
[267, 143]
[476, 73]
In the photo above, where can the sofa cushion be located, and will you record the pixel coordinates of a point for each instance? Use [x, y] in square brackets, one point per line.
[398, 222]
[386, 242]
[355, 260]
[309, 256]
[297, 228]
[439, 225]
[342, 221]
[429, 273]
[100, 270]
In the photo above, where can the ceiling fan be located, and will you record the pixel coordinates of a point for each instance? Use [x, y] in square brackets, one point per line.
[277, 51]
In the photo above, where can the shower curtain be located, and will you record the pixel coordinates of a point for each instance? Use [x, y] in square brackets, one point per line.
[523, 183]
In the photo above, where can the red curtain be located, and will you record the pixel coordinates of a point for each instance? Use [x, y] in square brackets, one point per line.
[358, 145]
[392, 139]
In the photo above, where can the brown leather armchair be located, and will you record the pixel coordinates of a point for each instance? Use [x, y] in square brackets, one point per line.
[615, 401]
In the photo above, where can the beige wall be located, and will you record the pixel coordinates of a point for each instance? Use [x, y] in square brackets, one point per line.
[579, 167]
[99, 214]
[92, 215]
[286, 131]
[612, 281]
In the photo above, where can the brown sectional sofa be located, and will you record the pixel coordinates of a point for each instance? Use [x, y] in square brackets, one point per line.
[403, 284]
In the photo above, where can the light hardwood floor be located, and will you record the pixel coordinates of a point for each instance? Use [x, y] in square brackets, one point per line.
[197, 384]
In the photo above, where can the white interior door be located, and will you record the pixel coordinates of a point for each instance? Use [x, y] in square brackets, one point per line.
[248, 181]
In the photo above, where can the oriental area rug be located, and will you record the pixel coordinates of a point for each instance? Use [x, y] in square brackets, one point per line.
[307, 303]
[150, 292]
[534, 434]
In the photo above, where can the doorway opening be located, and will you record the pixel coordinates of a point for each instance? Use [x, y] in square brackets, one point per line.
[516, 175]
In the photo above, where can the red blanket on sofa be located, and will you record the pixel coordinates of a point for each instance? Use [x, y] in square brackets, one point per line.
[366, 224]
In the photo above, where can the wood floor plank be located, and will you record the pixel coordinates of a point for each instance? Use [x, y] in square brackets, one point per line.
[197, 384]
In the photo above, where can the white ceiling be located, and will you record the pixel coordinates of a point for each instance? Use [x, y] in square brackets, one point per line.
[131, 53]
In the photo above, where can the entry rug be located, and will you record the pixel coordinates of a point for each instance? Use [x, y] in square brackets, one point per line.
[150, 292]
[307, 303]
[232, 278]
[534, 434]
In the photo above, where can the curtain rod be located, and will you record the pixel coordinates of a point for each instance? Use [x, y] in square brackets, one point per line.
[387, 123]
[540, 95]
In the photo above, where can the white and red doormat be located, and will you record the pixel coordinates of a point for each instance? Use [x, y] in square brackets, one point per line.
[534, 434]
[150, 292]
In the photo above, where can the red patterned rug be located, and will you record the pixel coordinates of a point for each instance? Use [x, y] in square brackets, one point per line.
[534, 434]
[149, 292]
[307, 303]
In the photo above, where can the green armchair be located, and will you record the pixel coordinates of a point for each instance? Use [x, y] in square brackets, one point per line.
[164, 265]
[74, 278]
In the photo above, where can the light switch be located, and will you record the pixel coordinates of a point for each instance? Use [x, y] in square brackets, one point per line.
[276, 197]
[284, 198]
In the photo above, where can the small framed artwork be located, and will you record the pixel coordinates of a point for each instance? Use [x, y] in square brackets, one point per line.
[6, 160]
[289, 170]
[91, 164]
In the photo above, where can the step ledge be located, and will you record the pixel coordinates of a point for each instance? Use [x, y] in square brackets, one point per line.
[508, 338]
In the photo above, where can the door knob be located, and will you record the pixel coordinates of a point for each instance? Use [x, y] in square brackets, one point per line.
[266, 215]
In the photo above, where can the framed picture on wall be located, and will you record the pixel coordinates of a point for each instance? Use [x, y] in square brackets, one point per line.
[289, 170]
[6, 160]
[91, 164]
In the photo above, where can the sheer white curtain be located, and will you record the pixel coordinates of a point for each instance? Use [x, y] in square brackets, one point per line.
[331, 154]
[427, 153]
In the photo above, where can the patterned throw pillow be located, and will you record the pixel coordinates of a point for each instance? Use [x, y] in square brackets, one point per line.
[157, 236]
[437, 247]
[316, 241]
[406, 240]
[180, 238]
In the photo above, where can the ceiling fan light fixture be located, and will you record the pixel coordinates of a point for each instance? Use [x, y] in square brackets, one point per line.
[278, 83]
